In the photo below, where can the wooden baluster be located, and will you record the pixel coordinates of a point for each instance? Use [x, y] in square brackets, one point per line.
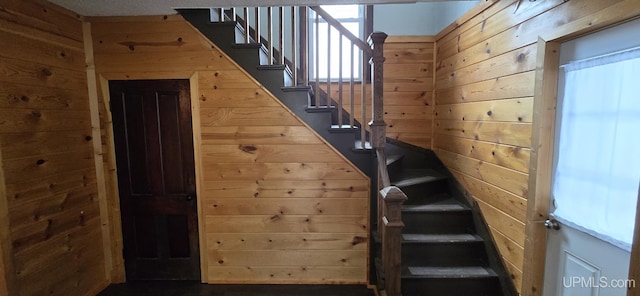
[270, 34]
[257, 25]
[328, 66]
[317, 54]
[221, 15]
[339, 80]
[377, 124]
[304, 44]
[281, 36]
[233, 14]
[393, 199]
[352, 89]
[294, 46]
[246, 25]
[363, 102]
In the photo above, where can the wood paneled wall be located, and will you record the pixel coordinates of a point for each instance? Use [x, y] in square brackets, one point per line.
[408, 90]
[484, 105]
[276, 203]
[50, 228]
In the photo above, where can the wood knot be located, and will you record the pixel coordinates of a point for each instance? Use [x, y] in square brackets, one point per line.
[275, 218]
[521, 57]
[248, 148]
[88, 138]
[40, 161]
[45, 72]
[358, 240]
[36, 114]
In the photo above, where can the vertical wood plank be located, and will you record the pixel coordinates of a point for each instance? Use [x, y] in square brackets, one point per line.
[97, 147]
[543, 136]
[197, 155]
[7, 270]
[111, 183]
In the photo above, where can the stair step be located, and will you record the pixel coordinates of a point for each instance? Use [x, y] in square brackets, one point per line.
[440, 238]
[345, 128]
[446, 216]
[448, 272]
[440, 205]
[417, 176]
[313, 109]
[358, 146]
[391, 159]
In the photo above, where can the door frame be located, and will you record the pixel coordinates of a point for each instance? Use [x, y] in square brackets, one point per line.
[113, 197]
[543, 143]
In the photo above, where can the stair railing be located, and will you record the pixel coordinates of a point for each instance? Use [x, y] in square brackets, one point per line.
[302, 32]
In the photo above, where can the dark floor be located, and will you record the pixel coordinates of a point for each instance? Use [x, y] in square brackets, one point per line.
[190, 288]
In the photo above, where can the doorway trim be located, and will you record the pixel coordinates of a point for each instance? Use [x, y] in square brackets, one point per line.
[111, 180]
[543, 137]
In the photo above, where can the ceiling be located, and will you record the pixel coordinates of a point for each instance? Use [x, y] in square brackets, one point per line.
[163, 7]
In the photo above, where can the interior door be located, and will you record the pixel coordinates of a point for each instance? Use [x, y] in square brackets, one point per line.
[578, 263]
[156, 178]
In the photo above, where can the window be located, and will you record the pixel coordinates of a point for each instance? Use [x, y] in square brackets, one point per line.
[352, 17]
[598, 167]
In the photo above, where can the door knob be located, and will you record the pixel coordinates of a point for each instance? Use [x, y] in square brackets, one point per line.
[552, 224]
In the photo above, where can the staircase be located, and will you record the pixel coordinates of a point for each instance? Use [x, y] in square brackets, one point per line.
[443, 243]
[434, 243]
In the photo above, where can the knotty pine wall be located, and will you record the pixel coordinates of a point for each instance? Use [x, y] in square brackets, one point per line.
[408, 90]
[50, 227]
[484, 98]
[276, 203]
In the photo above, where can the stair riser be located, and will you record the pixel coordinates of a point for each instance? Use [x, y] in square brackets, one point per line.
[443, 254]
[451, 287]
[446, 222]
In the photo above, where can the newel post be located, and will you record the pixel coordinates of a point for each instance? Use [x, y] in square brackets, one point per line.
[377, 124]
[392, 239]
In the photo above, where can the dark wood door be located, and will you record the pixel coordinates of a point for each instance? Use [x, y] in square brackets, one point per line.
[156, 178]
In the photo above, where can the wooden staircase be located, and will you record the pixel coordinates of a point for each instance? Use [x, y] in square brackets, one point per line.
[442, 251]
[443, 246]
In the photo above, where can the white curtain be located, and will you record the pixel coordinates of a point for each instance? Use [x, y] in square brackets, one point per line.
[598, 166]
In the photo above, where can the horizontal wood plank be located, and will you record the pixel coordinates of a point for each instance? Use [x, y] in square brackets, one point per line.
[510, 110]
[267, 153]
[512, 157]
[287, 224]
[285, 206]
[275, 258]
[509, 180]
[286, 241]
[506, 87]
[258, 116]
[224, 135]
[287, 275]
[507, 133]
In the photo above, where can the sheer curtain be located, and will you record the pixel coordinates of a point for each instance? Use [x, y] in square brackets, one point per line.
[598, 166]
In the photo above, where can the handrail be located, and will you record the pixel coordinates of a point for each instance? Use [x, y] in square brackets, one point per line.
[344, 31]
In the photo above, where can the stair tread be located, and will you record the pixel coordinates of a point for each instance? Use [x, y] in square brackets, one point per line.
[393, 158]
[344, 127]
[416, 176]
[440, 238]
[448, 272]
[449, 204]
[367, 145]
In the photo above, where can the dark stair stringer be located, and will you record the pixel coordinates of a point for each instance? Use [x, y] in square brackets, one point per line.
[446, 248]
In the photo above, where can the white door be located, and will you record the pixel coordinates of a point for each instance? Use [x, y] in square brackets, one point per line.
[580, 261]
